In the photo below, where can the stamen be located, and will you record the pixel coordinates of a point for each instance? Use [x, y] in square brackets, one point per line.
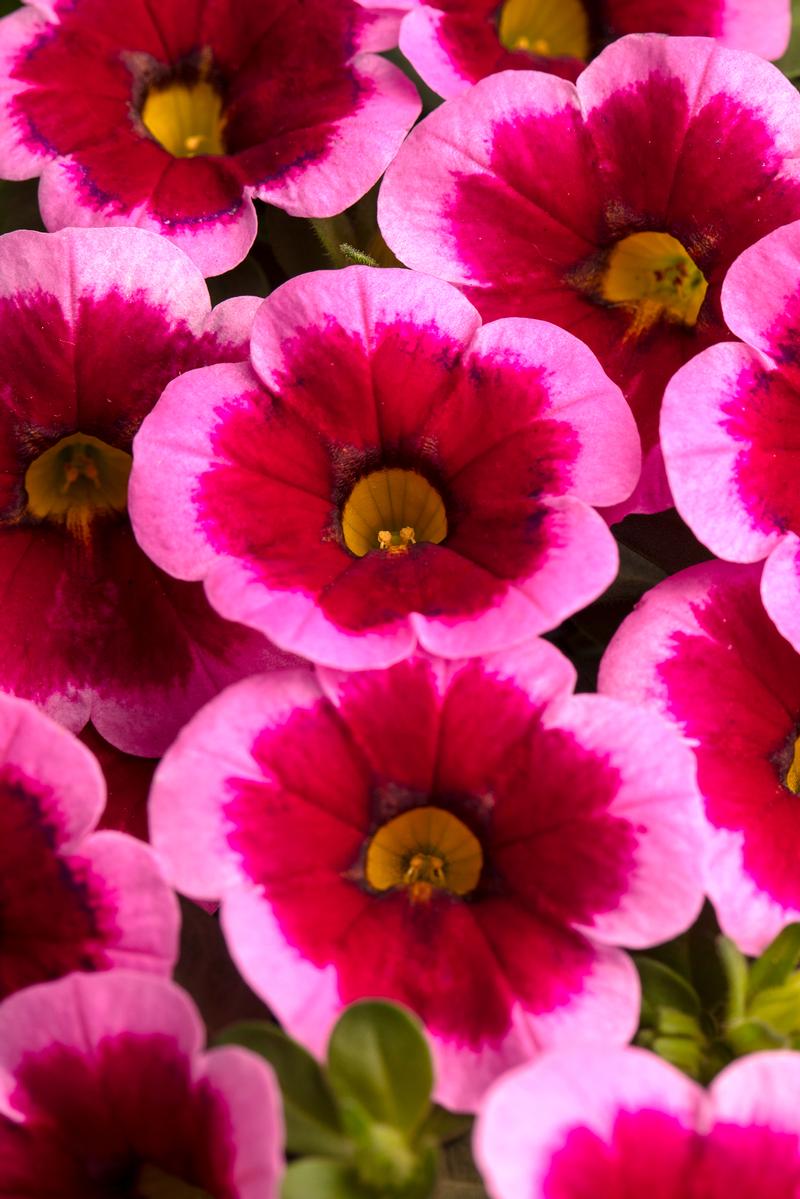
[76, 480]
[392, 510]
[424, 851]
[405, 538]
[653, 277]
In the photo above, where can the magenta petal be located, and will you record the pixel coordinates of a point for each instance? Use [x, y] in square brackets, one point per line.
[415, 376]
[104, 1076]
[72, 899]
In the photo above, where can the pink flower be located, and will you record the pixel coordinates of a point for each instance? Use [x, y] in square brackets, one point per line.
[94, 324]
[454, 43]
[729, 427]
[173, 117]
[466, 838]
[392, 473]
[105, 1091]
[701, 650]
[71, 898]
[612, 207]
[622, 1122]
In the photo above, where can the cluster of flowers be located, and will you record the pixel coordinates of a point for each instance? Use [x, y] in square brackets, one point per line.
[303, 550]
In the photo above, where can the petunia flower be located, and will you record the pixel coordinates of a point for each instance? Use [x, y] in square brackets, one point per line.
[702, 651]
[388, 472]
[622, 1122]
[454, 43]
[173, 116]
[94, 324]
[466, 838]
[612, 207]
[71, 898]
[730, 427]
[105, 1091]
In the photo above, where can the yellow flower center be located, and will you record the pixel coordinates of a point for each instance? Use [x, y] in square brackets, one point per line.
[154, 1183]
[652, 276]
[187, 119]
[77, 479]
[391, 510]
[792, 779]
[424, 850]
[553, 28]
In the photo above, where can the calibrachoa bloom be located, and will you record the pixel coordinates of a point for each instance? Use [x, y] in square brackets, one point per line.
[466, 838]
[613, 207]
[173, 117]
[622, 1122]
[392, 473]
[105, 1092]
[454, 43]
[94, 323]
[701, 649]
[71, 898]
[730, 427]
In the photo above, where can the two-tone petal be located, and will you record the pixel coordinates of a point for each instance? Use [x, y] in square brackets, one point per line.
[613, 207]
[173, 121]
[730, 431]
[462, 837]
[94, 324]
[72, 898]
[105, 1090]
[702, 651]
[388, 473]
[623, 1122]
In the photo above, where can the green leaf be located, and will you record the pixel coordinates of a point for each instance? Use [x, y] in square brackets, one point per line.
[681, 1052]
[776, 962]
[751, 1036]
[379, 1058]
[664, 987]
[736, 974]
[313, 1124]
[673, 1023]
[779, 1007]
[319, 1178]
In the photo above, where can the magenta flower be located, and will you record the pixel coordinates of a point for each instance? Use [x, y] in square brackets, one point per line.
[612, 207]
[71, 898]
[105, 1091]
[622, 1122]
[454, 43]
[466, 838]
[174, 121]
[94, 324]
[392, 473]
[701, 650]
[729, 427]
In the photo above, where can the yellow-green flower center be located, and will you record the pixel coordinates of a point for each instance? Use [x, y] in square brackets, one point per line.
[187, 119]
[422, 851]
[653, 277]
[391, 510]
[551, 28]
[77, 479]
